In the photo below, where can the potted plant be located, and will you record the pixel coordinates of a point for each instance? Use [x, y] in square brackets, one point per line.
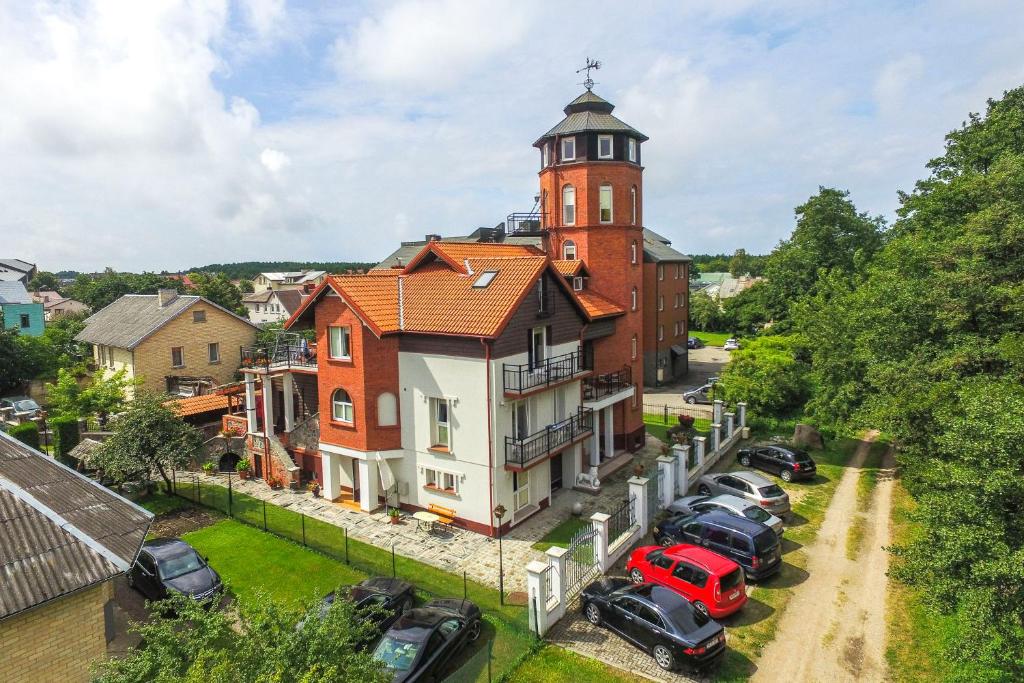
[243, 468]
[393, 515]
[209, 467]
[314, 488]
[276, 483]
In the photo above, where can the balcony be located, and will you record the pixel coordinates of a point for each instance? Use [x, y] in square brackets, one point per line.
[519, 453]
[607, 384]
[281, 357]
[520, 379]
[524, 223]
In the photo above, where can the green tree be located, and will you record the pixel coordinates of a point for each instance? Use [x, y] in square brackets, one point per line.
[44, 281]
[705, 313]
[216, 287]
[103, 395]
[183, 642]
[99, 291]
[770, 374]
[148, 437]
[739, 264]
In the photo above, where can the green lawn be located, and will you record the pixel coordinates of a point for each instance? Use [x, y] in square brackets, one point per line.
[655, 424]
[711, 338]
[562, 534]
[159, 503]
[552, 664]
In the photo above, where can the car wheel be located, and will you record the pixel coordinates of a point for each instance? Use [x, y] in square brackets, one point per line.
[691, 400]
[663, 656]
[474, 631]
[636, 576]
[406, 605]
[665, 542]
[786, 475]
[704, 490]
[702, 608]
[745, 460]
[593, 614]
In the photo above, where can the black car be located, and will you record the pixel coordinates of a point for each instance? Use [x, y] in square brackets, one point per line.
[750, 544]
[170, 565]
[694, 343]
[424, 640]
[381, 600]
[657, 620]
[789, 463]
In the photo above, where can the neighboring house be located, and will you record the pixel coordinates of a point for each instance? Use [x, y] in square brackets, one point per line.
[63, 537]
[723, 285]
[666, 300]
[20, 312]
[183, 345]
[16, 270]
[301, 279]
[56, 306]
[271, 306]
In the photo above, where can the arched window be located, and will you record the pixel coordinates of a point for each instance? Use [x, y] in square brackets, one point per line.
[634, 297]
[568, 205]
[341, 406]
[632, 200]
[569, 250]
[605, 200]
[632, 347]
[387, 410]
[632, 252]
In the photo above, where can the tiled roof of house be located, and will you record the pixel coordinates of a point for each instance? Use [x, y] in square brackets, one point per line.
[455, 253]
[195, 405]
[291, 299]
[658, 249]
[14, 293]
[61, 531]
[570, 267]
[598, 306]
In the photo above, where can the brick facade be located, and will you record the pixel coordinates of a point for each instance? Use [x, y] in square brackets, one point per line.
[58, 641]
[665, 307]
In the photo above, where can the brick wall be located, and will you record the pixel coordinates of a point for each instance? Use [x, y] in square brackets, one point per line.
[56, 642]
[672, 319]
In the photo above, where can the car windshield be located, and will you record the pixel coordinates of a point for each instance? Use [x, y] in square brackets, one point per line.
[757, 514]
[26, 405]
[686, 618]
[179, 565]
[771, 491]
[765, 541]
[397, 654]
[732, 579]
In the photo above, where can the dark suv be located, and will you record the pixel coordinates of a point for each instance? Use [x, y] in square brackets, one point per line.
[752, 545]
[789, 463]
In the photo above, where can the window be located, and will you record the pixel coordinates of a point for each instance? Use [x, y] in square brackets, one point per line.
[440, 431]
[26, 322]
[568, 149]
[679, 271]
[569, 250]
[213, 350]
[177, 357]
[605, 199]
[520, 420]
[537, 350]
[632, 348]
[720, 536]
[569, 205]
[636, 397]
[661, 302]
[661, 332]
[661, 271]
[199, 316]
[631, 146]
[485, 279]
[604, 146]
[632, 201]
[520, 489]
[341, 406]
[441, 480]
[661, 562]
[387, 410]
[632, 252]
[340, 342]
[545, 155]
[633, 299]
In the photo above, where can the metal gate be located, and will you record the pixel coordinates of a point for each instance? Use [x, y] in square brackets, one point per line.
[581, 562]
[653, 493]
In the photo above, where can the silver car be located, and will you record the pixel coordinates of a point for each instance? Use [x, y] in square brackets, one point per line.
[751, 486]
[740, 507]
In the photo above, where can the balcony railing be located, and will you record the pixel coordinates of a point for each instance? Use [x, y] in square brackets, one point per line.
[524, 223]
[520, 452]
[522, 378]
[281, 357]
[597, 387]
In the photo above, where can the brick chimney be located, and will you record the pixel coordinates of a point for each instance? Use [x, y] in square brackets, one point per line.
[165, 296]
[433, 237]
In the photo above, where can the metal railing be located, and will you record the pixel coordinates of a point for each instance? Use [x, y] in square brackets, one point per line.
[551, 438]
[280, 357]
[524, 223]
[622, 520]
[525, 376]
[605, 384]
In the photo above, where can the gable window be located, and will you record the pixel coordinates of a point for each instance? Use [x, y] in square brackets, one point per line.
[632, 201]
[604, 146]
[631, 146]
[605, 199]
[633, 299]
[199, 316]
[545, 155]
[632, 348]
[569, 250]
[177, 357]
[387, 410]
[632, 252]
[440, 429]
[341, 406]
[25, 321]
[213, 350]
[340, 342]
[569, 205]
[568, 149]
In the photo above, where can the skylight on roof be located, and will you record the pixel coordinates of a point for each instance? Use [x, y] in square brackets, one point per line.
[485, 278]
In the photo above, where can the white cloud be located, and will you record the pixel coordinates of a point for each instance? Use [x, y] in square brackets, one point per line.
[274, 160]
[895, 80]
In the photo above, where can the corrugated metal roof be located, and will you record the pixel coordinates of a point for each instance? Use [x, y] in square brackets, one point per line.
[592, 121]
[658, 248]
[59, 531]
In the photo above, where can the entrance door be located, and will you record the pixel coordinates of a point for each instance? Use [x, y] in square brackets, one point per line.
[521, 489]
[355, 480]
[556, 472]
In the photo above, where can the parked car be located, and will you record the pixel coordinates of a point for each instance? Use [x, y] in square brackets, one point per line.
[731, 344]
[23, 408]
[169, 565]
[713, 584]
[789, 463]
[749, 485]
[423, 640]
[694, 343]
[749, 544]
[657, 620]
[381, 600]
[699, 395]
[734, 505]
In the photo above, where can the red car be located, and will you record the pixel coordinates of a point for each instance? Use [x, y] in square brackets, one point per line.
[714, 584]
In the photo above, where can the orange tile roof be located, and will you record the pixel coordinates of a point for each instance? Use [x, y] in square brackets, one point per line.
[568, 268]
[456, 253]
[598, 306]
[374, 296]
[195, 405]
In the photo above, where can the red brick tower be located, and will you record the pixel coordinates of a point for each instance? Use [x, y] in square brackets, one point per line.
[591, 190]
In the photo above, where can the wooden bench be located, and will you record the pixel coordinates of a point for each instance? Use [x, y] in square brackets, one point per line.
[446, 515]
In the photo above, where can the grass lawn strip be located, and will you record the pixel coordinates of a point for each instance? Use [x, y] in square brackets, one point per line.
[711, 338]
[562, 534]
[552, 664]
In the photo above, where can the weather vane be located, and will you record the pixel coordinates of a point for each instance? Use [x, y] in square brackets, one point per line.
[588, 82]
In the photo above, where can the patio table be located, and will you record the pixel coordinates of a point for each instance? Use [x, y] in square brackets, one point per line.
[425, 519]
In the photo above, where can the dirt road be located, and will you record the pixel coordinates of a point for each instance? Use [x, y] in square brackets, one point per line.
[834, 627]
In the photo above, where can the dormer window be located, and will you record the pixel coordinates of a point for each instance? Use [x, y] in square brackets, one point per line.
[631, 149]
[568, 149]
[604, 146]
[569, 250]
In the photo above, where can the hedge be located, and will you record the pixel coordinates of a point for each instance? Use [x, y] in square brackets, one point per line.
[27, 433]
[65, 437]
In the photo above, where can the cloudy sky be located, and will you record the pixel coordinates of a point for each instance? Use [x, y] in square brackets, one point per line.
[162, 135]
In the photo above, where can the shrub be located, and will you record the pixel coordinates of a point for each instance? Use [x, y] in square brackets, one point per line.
[65, 437]
[27, 433]
[243, 465]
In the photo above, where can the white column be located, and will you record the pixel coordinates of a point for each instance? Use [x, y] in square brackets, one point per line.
[609, 430]
[556, 564]
[289, 402]
[369, 484]
[730, 425]
[682, 453]
[742, 407]
[638, 492]
[716, 437]
[667, 465]
[717, 412]
[250, 402]
[537, 591]
[698, 447]
[268, 405]
[599, 520]
[331, 465]
[595, 449]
